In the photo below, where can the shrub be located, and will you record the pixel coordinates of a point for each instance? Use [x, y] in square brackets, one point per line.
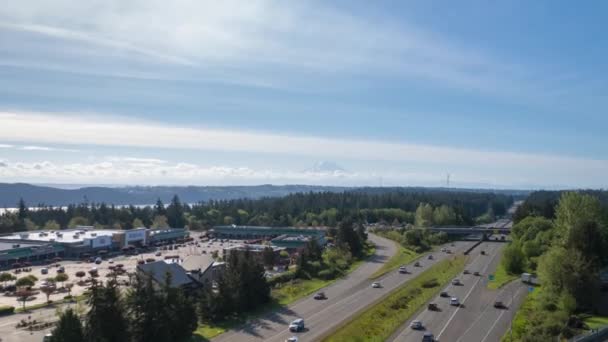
[327, 274]
[430, 283]
[6, 310]
[282, 278]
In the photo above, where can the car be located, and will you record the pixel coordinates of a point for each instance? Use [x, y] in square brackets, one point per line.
[454, 301]
[402, 269]
[456, 282]
[428, 337]
[320, 295]
[416, 324]
[111, 261]
[296, 325]
[376, 285]
[44, 270]
[292, 339]
[47, 338]
[417, 264]
[466, 272]
[61, 269]
[476, 273]
[483, 252]
[448, 251]
[158, 254]
[452, 244]
[430, 257]
[432, 307]
[499, 305]
[444, 294]
[98, 260]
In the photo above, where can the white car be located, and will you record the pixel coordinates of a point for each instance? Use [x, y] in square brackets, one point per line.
[376, 285]
[454, 301]
[292, 339]
[416, 324]
[456, 281]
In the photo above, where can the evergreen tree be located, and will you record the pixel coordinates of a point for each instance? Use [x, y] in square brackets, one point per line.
[68, 329]
[147, 312]
[348, 237]
[106, 321]
[175, 213]
[159, 208]
[179, 312]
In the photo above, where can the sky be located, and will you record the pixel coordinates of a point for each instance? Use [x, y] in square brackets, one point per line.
[509, 94]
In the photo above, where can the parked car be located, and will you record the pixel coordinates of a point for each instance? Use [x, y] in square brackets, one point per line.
[454, 301]
[98, 260]
[111, 261]
[61, 269]
[416, 324]
[158, 254]
[44, 270]
[320, 296]
[297, 325]
[376, 285]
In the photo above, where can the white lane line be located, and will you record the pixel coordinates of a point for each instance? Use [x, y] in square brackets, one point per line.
[414, 274]
[482, 315]
[500, 316]
[467, 296]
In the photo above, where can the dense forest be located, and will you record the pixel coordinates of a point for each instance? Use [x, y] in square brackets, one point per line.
[401, 206]
[561, 236]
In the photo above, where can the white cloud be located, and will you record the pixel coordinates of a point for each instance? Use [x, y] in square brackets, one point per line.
[230, 39]
[6, 146]
[502, 167]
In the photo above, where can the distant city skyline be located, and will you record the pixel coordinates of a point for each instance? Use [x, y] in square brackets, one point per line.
[502, 95]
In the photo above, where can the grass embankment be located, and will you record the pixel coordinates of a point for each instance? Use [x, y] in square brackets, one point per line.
[381, 320]
[596, 322]
[284, 295]
[403, 256]
[74, 299]
[501, 277]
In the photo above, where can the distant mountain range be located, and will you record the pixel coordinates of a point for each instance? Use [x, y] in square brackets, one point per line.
[35, 195]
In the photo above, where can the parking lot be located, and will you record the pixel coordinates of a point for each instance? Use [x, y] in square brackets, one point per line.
[104, 268]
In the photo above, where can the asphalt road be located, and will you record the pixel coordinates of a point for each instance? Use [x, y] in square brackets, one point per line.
[345, 298]
[8, 332]
[476, 319]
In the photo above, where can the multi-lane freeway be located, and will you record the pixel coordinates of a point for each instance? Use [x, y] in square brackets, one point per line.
[476, 319]
[346, 298]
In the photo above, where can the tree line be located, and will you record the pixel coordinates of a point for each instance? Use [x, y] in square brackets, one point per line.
[567, 247]
[299, 209]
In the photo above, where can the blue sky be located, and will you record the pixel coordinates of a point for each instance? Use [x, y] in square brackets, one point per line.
[509, 94]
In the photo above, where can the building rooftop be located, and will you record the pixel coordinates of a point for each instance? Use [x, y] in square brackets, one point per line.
[65, 236]
[197, 262]
[269, 228]
[292, 238]
[8, 245]
[253, 248]
[158, 271]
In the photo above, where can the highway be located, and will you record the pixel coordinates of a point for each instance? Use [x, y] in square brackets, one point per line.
[476, 319]
[346, 297]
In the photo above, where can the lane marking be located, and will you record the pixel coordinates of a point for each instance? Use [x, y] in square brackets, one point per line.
[465, 298]
[421, 269]
[499, 316]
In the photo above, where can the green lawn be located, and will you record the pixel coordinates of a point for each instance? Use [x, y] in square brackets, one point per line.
[379, 321]
[285, 295]
[596, 322]
[403, 256]
[501, 278]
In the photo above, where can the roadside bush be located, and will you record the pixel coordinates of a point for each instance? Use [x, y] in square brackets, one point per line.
[328, 274]
[6, 310]
[282, 278]
[430, 283]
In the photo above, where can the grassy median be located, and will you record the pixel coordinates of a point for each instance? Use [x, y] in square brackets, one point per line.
[381, 320]
[403, 256]
[501, 278]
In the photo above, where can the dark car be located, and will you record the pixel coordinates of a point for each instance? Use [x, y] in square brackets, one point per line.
[466, 272]
[499, 305]
[476, 273]
[430, 257]
[432, 307]
[444, 294]
[320, 296]
[417, 264]
[428, 337]
[483, 252]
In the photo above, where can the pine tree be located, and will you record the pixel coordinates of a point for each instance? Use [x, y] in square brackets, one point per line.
[68, 329]
[147, 312]
[106, 320]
